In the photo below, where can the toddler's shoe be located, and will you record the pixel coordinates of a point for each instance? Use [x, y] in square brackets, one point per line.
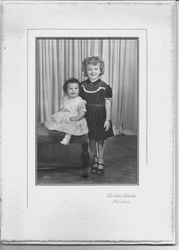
[66, 140]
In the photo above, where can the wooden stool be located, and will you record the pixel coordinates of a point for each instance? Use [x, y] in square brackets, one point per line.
[52, 136]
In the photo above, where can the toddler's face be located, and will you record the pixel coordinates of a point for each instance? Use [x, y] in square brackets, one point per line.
[73, 90]
[93, 72]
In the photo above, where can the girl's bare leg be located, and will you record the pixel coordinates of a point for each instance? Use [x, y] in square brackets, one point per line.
[93, 149]
[94, 154]
[100, 146]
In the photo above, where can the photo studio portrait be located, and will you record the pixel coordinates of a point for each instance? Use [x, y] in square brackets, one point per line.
[87, 111]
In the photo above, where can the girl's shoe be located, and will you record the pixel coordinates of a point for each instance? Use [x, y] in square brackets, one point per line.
[66, 140]
[94, 168]
[100, 169]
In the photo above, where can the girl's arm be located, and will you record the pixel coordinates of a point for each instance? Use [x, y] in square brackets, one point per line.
[108, 113]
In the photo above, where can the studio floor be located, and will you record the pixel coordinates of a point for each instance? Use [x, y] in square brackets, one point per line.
[61, 165]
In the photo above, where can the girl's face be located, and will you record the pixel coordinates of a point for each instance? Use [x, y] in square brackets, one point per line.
[93, 72]
[73, 90]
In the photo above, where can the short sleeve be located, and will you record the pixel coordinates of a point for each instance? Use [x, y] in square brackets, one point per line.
[82, 106]
[108, 93]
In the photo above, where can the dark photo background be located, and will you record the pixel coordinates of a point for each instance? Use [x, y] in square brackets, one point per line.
[58, 59]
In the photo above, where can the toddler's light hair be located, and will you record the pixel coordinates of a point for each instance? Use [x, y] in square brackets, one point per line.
[94, 60]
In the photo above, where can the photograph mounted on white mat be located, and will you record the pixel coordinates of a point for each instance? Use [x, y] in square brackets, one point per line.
[100, 144]
[88, 122]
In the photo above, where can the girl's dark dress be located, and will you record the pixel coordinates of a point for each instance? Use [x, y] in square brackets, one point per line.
[95, 94]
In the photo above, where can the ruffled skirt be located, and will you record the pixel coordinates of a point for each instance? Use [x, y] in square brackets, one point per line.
[61, 122]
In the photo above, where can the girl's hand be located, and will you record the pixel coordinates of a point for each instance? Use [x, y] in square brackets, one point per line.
[107, 125]
[73, 118]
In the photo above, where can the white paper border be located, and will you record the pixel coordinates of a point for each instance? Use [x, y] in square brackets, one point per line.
[34, 207]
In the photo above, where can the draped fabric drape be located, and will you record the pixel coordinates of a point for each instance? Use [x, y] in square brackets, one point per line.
[60, 59]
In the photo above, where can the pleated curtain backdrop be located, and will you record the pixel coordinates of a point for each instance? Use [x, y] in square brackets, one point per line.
[60, 59]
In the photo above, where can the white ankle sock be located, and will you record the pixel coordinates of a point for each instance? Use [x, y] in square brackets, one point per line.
[66, 140]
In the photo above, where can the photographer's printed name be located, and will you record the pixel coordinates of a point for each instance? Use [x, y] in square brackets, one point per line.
[121, 198]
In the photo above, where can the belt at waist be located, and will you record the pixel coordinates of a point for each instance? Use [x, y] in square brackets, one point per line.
[95, 105]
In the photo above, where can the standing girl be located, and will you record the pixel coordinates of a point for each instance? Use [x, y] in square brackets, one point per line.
[70, 117]
[98, 95]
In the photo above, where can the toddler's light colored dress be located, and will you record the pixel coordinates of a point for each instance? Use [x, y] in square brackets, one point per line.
[60, 121]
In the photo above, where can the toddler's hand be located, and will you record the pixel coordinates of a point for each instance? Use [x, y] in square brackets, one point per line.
[107, 125]
[73, 119]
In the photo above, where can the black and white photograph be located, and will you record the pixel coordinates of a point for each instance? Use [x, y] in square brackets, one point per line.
[87, 111]
[88, 123]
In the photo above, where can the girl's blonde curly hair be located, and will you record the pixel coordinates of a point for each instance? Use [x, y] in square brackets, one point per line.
[94, 60]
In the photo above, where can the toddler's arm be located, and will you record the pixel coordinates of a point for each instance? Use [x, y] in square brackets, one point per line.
[78, 117]
[81, 111]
